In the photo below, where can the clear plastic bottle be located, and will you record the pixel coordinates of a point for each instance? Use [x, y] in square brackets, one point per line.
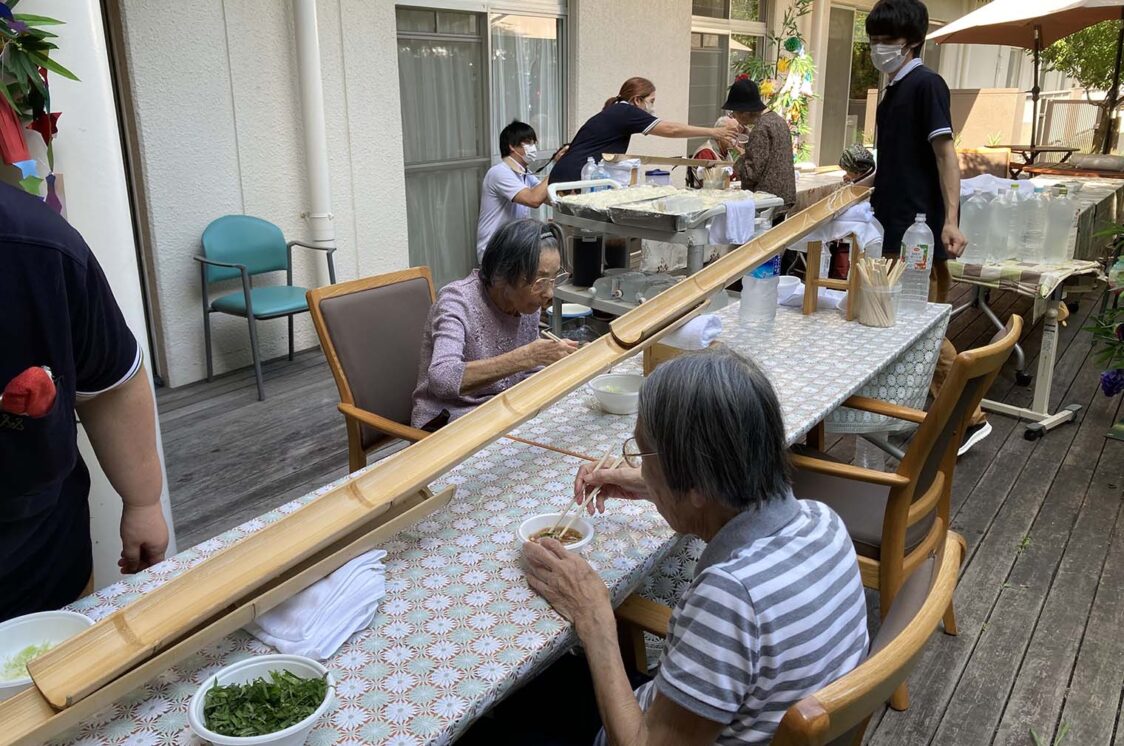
[917, 253]
[1034, 212]
[1059, 220]
[589, 171]
[974, 225]
[1003, 239]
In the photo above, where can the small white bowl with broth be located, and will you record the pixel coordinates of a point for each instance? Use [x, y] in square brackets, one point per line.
[617, 393]
[579, 535]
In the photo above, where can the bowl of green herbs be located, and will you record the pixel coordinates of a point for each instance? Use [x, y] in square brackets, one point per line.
[267, 699]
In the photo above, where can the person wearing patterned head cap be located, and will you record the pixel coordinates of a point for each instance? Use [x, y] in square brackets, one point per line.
[856, 162]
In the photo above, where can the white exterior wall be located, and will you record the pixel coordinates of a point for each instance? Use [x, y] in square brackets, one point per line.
[88, 155]
[218, 116]
[613, 41]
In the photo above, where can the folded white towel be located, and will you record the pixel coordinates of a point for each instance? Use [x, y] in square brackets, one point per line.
[736, 225]
[696, 334]
[318, 620]
[826, 297]
[858, 219]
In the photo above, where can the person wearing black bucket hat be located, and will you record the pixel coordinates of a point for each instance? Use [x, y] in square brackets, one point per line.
[766, 164]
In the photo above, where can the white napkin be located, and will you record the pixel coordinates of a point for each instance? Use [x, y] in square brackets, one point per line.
[858, 219]
[318, 620]
[825, 298]
[696, 334]
[736, 225]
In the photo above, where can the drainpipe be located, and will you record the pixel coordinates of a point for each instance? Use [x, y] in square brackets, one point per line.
[319, 214]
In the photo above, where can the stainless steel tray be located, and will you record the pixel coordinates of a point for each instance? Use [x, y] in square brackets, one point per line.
[577, 210]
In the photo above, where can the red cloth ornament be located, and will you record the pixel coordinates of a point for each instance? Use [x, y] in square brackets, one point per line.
[31, 393]
[46, 125]
[13, 149]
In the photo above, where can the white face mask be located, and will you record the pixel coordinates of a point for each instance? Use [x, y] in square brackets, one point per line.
[888, 58]
[529, 151]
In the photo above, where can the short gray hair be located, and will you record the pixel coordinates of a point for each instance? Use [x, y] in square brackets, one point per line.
[514, 250]
[715, 422]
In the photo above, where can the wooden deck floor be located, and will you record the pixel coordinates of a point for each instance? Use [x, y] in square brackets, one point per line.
[1040, 602]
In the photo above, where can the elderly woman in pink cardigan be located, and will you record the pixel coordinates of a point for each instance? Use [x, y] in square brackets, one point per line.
[482, 336]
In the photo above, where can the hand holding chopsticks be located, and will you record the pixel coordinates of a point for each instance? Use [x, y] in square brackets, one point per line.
[590, 498]
[584, 502]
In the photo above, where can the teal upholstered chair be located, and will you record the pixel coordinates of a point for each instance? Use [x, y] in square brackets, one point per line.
[244, 246]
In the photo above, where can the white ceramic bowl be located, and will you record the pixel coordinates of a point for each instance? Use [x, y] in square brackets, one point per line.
[572, 310]
[256, 668]
[35, 629]
[786, 286]
[532, 526]
[617, 393]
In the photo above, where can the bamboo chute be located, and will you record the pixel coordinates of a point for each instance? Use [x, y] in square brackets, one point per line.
[124, 649]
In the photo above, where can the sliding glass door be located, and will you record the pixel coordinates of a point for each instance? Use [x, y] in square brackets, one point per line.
[463, 77]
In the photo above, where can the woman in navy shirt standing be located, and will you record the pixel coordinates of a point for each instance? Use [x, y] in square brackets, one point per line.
[628, 113]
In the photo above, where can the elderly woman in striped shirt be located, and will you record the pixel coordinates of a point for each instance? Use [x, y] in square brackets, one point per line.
[776, 608]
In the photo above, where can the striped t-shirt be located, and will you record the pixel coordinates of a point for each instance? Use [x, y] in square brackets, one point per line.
[775, 612]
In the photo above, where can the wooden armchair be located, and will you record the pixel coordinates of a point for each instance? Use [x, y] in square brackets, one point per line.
[838, 713]
[371, 331]
[898, 519]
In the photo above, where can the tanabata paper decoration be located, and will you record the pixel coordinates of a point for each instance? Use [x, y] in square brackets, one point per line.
[25, 98]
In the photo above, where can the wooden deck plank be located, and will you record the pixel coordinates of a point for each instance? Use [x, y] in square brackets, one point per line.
[994, 519]
[978, 702]
[274, 369]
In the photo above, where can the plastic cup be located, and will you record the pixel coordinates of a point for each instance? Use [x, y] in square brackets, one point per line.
[878, 306]
[759, 299]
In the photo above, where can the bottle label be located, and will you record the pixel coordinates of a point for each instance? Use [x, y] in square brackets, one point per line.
[917, 256]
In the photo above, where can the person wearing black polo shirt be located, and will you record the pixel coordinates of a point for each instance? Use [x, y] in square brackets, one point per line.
[58, 312]
[918, 171]
[628, 113]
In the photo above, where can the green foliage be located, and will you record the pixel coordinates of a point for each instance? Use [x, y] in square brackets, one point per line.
[994, 139]
[260, 707]
[23, 50]
[1087, 56]
[782, 81]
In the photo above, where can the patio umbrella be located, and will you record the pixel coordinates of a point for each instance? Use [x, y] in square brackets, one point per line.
[1034, 24]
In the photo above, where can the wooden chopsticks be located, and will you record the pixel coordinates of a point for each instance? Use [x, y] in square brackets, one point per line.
[546, 333]
[580, 506]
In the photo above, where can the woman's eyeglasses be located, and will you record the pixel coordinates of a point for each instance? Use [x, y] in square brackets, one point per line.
[543, 283]
[633, 456]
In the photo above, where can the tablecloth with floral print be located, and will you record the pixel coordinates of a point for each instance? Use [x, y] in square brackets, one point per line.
[458, 627]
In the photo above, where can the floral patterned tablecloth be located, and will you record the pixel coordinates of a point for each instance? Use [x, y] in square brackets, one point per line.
[814, 362]
[459, 628]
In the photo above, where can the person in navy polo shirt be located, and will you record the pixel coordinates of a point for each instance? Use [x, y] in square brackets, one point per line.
[918, 170]
[58, 312]
[630, 112]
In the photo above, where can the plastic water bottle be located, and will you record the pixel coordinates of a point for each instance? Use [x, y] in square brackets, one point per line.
[917, 253]
[1034, 225]
[589, 172]
[1059, 220]
[974, 216]
[1003, 239]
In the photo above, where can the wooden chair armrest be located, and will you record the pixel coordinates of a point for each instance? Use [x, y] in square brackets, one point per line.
[649, 616]
[847, 471]
[877, 406]
[382, 424]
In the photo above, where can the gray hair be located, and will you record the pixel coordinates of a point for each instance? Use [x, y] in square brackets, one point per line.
[514, 250]
[715, 422]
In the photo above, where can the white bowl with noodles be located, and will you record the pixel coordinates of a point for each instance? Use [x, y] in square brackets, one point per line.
[49, 628]
[246, 671]
[617, 393]
[532, 526]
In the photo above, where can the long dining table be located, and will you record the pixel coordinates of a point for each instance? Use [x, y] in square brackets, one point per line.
[458, 628]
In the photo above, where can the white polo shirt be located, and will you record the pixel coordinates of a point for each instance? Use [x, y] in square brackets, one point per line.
[497, 209]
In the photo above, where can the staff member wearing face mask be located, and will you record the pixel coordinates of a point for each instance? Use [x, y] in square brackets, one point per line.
[918, 171]
[509, 192]
[630, 112]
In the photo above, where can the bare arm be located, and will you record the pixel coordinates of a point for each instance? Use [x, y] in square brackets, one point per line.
[664, 128]
[948, 166]
[121, 424]
[533, 197]
[479, 373]
[576, 592]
